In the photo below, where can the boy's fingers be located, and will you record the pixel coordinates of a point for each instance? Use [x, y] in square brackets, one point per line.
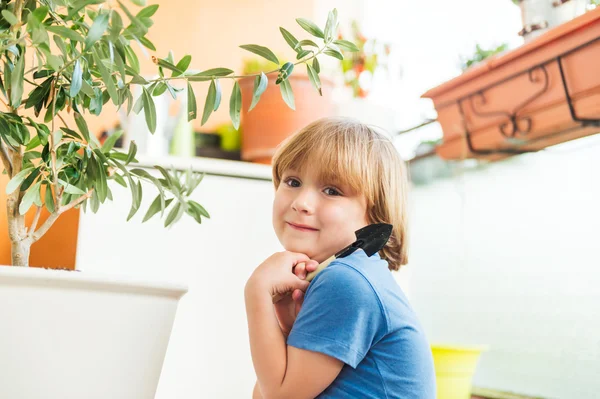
[300, 270]
[311, 266]
[297, 295]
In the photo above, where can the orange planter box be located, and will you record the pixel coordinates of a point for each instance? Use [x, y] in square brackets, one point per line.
[540, 94]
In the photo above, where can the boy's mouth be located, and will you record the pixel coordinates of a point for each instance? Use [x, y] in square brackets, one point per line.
[301, 227]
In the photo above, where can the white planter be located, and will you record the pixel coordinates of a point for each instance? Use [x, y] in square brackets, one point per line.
[74, 335]
[540, 15]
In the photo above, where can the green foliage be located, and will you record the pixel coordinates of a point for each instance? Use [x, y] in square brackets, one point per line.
[481, 54]
[77, 55]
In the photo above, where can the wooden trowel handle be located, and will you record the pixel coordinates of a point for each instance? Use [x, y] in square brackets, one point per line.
[309, 277]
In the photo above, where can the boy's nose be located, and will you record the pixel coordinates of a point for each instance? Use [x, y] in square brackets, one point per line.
[303, 203]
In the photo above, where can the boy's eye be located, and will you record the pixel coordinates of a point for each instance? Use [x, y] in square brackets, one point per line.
[332, 191]
[292, 182]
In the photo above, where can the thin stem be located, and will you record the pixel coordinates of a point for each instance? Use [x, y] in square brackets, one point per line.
[69, 63]
[5, 159]
[30, 82]
[53, 150]
[63, 121]
[208, 78]
[78, 201]
[53, 216]
[36, 219]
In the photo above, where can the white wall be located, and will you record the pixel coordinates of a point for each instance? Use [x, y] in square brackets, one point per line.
[509, 256]
[208, 354]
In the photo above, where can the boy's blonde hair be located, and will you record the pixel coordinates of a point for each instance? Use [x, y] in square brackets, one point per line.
[346, 151]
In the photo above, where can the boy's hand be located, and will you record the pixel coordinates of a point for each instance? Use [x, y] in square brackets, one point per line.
[275, 275]
[287, 309]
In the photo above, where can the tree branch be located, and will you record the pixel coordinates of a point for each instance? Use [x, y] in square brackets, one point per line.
[53, 216]
[6, 159]
[78, 201]
[36, 219]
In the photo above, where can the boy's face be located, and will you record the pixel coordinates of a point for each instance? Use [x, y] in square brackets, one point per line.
[316, 218]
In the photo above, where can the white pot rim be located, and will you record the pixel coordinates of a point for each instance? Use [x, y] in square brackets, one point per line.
[76, 279]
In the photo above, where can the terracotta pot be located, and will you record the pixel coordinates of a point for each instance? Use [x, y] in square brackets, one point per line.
[540, 94]
[271, 121]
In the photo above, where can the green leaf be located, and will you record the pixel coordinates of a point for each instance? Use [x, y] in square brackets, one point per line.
[209, 104]
[29, 198]
[147, 12]
[218, 97]
[306, 43]
[101, 185]
[132, 59]
[116, 25]
[106, 78]
[335, 54]
[262, 51]
[168, 65]
[182, 65]
[310, 27]
[160, 88]
[149, 110]
[94, 202]
[55, 62]
[209, 74]
[314, 78]
[156, 206]
[49, 199]
[76, 80]
[191, 102]
[174, 215]
[10, 17]
[331, 25]
[235, 105]
[287, 94]
[346, 45]
[65, 32]
[147, 43]
[302, 54]
[40, 13]
[260, 85]
[87, 89]
[16, 82]
[139, 104]
[82, 126]
[199, 208]
[132, 152]
[96, 30]
[289, 38]
[70, 188]
[287, 69]
[316, 65]
[110, 141]
[16, 181]
[119, 179]
[140, 3]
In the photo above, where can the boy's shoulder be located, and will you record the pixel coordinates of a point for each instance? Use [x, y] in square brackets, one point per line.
[348, 277]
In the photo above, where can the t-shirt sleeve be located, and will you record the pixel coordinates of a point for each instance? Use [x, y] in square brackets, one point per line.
[341, 316]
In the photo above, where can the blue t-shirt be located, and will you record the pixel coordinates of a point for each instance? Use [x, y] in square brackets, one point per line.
[356, 312]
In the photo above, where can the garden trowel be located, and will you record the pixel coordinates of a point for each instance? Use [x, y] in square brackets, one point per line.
[371, 239]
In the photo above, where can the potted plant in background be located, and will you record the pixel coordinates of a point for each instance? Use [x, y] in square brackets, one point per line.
[538, 16]
[358, 72]
[68, 334]
[287, 114]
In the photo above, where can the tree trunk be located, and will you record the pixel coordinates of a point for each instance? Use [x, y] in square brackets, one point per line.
[17, 231]
[20, 253]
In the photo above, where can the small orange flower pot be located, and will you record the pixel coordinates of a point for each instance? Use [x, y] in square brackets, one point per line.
[540, 94]
[272, 121]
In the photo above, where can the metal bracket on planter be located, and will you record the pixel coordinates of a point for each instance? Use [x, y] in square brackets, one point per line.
[518, 125]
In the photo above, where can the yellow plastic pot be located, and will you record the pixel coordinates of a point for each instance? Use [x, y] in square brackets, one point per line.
[454, 369]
